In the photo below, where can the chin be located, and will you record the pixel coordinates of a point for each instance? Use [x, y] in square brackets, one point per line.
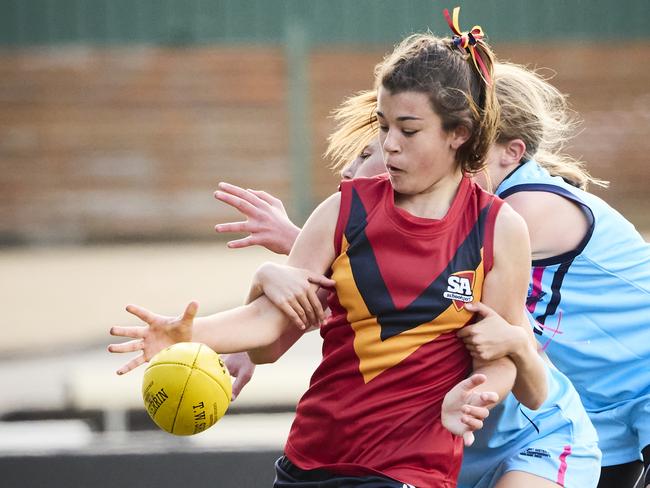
[401, 188]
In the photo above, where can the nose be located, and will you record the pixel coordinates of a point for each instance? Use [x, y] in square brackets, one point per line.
[350, 169]
[391, 145]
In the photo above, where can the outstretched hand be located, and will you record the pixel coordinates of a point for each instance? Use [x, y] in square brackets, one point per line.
[491, 337]
[464, 409]
[159, 333]
[266, 219]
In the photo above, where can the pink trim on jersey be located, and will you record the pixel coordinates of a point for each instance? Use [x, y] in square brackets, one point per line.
[538, 272]
[563, 466]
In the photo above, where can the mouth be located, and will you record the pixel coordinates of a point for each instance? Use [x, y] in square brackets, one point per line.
[393, 169]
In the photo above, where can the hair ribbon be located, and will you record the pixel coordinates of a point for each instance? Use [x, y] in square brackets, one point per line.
[467, 41]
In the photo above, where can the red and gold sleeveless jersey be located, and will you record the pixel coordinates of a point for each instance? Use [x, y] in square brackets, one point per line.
[390, 351]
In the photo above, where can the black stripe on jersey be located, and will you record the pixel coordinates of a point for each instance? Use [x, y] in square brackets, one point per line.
[556, 294]
[430, 303]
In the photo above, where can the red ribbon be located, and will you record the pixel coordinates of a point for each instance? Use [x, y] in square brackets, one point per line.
[467, 41]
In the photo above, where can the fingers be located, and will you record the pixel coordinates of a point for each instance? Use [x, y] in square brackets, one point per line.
[316, 306]
[136, 332]
[465, 332]
[131, 365]
[471, 422]
[238, 203]
[300, 306]
[249, 196]
[472, 382]
[240, 243]
[142, 313]
[190, 311]
[130, 346]
[321, 280]
[312, 316]
[239, 383]
[268, 198]
[479, 308]
[288, 310]
[489, 397]
[233, 227]
[476, 412]
[468, 438]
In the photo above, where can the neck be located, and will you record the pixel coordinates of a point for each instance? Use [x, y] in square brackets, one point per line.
[497, 177]
[435, 201]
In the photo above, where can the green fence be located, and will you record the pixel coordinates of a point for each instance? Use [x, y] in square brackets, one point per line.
[189, 22]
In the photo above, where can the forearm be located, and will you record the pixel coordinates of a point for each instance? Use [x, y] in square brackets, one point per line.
[243, 328]
[500, 375]
[272, 352]
[531, 386]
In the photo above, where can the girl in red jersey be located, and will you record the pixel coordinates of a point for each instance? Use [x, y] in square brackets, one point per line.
[555, 444]
[407, 251]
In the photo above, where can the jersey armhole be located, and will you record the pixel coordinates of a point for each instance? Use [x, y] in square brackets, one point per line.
[488, 241]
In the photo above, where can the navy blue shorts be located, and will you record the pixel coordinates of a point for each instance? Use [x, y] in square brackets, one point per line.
[288, 474]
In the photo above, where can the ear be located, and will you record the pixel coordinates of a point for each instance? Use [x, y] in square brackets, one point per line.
[459, 136]
[514, 151]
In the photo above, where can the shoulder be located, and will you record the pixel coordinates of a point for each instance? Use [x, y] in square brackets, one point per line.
[326, 211]
[556, 224]
[509, 224]
[533, 204]
[314, 247]
[511, 241]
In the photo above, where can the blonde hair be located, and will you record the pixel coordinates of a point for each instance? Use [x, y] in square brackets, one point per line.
[536, 112]
[356, 120]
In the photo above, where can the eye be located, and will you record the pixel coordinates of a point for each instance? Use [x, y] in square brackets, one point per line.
[409, 133]
[364, 155]
[383, 128]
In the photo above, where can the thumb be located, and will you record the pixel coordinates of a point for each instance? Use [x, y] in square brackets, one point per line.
[468, 438]
[321, 280]
[472, 382]
[190, 311]
[489, 398]
[480, 308]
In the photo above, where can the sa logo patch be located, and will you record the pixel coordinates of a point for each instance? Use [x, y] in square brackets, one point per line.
[459, 288]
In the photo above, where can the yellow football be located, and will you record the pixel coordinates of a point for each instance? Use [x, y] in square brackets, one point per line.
[186, 388]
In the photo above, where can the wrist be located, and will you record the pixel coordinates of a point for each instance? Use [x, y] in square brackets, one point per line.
[520, 347]
[291, 236]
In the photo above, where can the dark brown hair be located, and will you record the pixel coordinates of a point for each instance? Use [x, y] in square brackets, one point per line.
[456, 90]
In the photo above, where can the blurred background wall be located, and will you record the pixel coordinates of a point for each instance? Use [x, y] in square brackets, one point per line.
[118, 118]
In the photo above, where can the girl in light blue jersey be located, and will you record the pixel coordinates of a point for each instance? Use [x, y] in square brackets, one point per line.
[589, 297]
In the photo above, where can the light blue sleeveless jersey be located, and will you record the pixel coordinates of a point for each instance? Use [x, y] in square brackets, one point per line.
[556, 441]
[509, 421]
[592, 306]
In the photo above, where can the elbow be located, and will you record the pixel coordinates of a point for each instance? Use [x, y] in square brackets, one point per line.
[264, 355]
[535, 403]
[535, 399]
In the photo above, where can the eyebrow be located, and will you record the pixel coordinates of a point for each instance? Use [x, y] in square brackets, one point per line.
[401, 118]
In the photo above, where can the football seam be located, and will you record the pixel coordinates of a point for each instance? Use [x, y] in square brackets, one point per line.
[180, 400]
[193, 368]
[215, 380]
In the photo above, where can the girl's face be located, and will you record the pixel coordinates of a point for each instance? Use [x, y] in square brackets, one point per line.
[417, 152]
[369, 163]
